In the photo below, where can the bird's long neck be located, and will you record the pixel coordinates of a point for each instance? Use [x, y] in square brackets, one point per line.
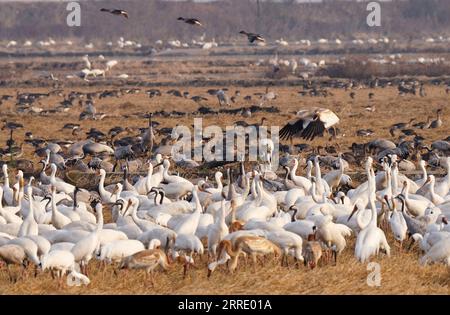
[294, 168]
[246, 188]
[5, 175]
[431, 188]
[388, 180]
[99, 219]
[341, 166]
[221, 217]
[148, 181]
[359, 220]
[198, 205]
[286, 176]
[253, 189]
[308, 171]
[394, 179]
[53, 174]
[319, 184]
[54, 208]
[134, 214]
[371, 192]
[218, 181]
[44, 166]
[227, 246]
[316, 195]
[31, 212]
[424, 171]
[233, 212]
[101, 183]
[166, 172]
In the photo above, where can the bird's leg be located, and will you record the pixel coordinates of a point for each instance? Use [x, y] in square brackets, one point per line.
[146, 271]
[9, 273]
[259, 258]
[24, 269]
[335, 254]
[410, 244]
[152, 279]
[329, 255]
[334, 133]
[185, 267]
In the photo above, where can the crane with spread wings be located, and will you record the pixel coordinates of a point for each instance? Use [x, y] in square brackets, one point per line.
[309, 124]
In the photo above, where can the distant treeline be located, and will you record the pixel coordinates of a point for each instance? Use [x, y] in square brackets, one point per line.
[151, 20]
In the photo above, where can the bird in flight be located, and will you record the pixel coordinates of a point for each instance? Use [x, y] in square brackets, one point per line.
[116, 12]
[310, 124]
[190, 21]
[253, 37]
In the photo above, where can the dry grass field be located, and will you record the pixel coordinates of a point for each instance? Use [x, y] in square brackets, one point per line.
[401, 273]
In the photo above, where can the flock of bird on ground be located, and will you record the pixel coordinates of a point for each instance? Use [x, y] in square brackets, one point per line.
[165, 220]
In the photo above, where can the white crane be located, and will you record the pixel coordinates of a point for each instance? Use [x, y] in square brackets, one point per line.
[371, 238]
[8, 193]
[217, 231]
[84, 249]
[29, 226]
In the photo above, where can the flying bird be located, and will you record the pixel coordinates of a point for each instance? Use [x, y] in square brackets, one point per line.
[190, 21]
[253, 37]
[310, 124]
[116, 12]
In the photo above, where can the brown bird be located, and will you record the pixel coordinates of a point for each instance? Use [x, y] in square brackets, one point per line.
[253, 37]
[116, 12]
[146, 259]
[251, 245]
[190, 21]
[12, 254]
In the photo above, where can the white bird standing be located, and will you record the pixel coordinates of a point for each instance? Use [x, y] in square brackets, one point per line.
[371, 238]
[8, 193]
[397, 223]
[29, 225]
[217, 231]
[84, 249]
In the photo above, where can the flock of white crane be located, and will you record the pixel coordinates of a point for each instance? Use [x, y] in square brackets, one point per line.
[124, 43]
[54, 225]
